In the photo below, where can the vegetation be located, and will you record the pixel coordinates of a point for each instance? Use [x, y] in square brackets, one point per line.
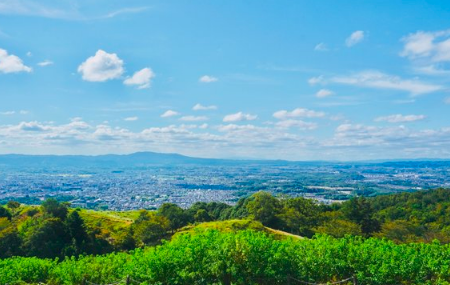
[390, 239]
[246, 257]
[55, 230]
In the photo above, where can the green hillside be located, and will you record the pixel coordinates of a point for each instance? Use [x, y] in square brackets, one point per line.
[392, 239]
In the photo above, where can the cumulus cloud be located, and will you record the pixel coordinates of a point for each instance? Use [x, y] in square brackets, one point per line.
[208, 79]
[200, 107]
[302, 125]
[322, 93]
[299, 112]
[376, 79]
[193, 118]
[398, 118]
[32, 127]
[239, 117]
[101, 67]
[45, 63]
[355, 38]
[169, 113]
[349, 141]
[131, 119]
[141, 78]
[10, 63]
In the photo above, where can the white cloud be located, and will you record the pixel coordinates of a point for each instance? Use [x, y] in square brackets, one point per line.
[447, 100]
[398, 118]
[433, 46]
[131, 119]
[141, 78]
[432, 69]
[29, 54]
[7, 113]
[101, 67]
[354, 38]
[10, 63]
[299, 112]
[349, 141]
[321, 47]
[376, 79]
[200, 107]
[239, 117]
[131, 10]
[324, 93]
[23, 112]
[45, 63]
[169, 113]
[315, 80]
[208, 79]
[35, 8]
[286, 124]
[193, 118]
[32, 127]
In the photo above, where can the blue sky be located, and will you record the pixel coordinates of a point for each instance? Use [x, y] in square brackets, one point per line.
[298, 80]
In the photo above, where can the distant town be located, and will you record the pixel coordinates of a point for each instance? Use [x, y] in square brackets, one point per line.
[147, 186]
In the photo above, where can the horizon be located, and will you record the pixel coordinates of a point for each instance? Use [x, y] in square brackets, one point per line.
[380, 160]
[293, 81]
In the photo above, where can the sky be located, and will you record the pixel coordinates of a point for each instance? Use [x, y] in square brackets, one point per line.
[273, 79]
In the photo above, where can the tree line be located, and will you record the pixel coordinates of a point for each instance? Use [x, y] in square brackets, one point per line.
[55, 230]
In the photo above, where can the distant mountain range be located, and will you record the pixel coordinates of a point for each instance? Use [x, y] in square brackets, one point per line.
[152, 158]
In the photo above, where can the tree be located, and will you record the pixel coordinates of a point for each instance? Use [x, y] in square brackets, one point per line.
[13, 205]
[360, 211]
[265, 208]
[76, 229]
[202, 216]
[10, 242]
[299, 215]
[53, 208]
[149, 228]
[47, 239]
[4, 213]
[176, 216]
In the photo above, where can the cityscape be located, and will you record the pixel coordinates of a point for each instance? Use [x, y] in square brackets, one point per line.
[150, 185]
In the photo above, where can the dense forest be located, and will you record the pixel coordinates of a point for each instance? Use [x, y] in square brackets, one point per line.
[392, 239]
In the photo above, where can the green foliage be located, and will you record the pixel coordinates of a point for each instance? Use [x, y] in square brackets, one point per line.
[4, 213]
[202, 216]
[360, 211]
[13, 205]
[53, 208]
[177, 217]
[149, 228]
[299, 216]
[265, 208]
[46, 239]
[246, 257]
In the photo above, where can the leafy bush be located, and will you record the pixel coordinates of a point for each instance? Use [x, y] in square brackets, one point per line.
[246, 257]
